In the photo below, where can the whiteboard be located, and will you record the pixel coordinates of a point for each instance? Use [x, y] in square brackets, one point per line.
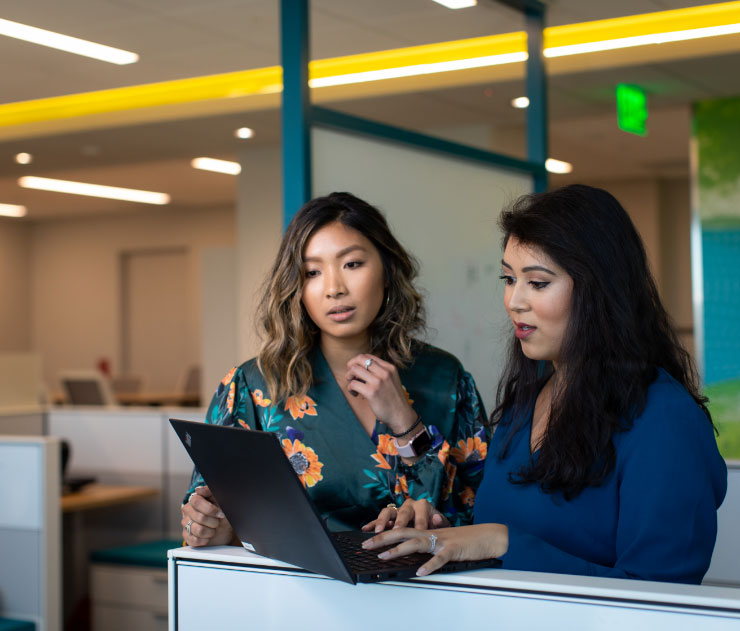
[444, 210]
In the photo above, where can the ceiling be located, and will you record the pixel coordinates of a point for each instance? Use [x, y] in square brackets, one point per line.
[185, 38]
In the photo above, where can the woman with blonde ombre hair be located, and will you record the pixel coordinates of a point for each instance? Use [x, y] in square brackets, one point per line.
[368, 414]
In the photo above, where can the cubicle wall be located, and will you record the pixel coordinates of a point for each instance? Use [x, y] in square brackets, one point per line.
[444, 210]
[30, 533]
[128, 446]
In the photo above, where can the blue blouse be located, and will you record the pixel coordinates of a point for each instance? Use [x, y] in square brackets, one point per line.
[654, 517]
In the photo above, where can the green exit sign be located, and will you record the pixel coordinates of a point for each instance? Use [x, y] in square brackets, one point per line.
[632, 109]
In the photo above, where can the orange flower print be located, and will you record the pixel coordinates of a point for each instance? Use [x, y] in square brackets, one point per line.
[259, 400]
[450, 472]
[304, 460]
[444, 452]
[243, 424]
[467, 496]
[298, 406]
[402, 486]
[471, 449]
[230, 398]
[228, 377]
[386, 445]
[408, 398]
[380, 459]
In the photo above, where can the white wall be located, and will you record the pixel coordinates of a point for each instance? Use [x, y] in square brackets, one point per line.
[15, 293]
[259, 230]
[75, 280]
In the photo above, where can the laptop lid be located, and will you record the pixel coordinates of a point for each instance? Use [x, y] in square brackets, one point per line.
[261, 496]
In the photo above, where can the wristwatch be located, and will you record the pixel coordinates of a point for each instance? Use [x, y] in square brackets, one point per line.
[418, 445]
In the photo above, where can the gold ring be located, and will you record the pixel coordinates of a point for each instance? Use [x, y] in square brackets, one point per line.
[392, 506]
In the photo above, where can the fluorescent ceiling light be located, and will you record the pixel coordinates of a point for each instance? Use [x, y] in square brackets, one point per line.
[418, 69]
[93, 190]
[219, 166]
[12, 210]
[23, 158]
[520, 102]
[642, 40]
[457, 4]
[244, 132]
[558, 166]
[66, 43]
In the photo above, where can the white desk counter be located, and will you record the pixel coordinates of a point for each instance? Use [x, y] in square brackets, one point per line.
[229, 588]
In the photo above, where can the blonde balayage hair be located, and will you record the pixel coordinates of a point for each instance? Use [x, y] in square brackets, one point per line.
[289, 335]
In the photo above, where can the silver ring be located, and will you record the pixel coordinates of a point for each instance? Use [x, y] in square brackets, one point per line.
[190, 499]
[368, 363]
[190, 523]
[432, 543]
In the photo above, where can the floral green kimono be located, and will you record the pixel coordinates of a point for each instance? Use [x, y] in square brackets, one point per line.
[349, 475]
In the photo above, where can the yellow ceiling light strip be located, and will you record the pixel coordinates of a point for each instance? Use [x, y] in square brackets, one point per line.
[445, 56]
[222, 86]
[689, 18]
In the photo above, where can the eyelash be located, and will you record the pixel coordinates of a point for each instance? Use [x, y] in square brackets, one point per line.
[313, 273]
[537, 284]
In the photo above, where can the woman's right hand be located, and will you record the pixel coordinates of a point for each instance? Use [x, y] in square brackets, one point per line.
[208, 525]
[419, 512]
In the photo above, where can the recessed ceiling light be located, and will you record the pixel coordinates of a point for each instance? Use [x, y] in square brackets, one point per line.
[457, 4]
[558, 166]
[23, 158]
[219, 166]
[66, 43]
[520, 102]
[12, 210]
[93, 190]
[244, 132]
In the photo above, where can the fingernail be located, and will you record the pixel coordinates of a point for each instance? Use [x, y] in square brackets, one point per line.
[366, 543]
[378, 528]
[384, 555]
[422, 571]
[220, 514]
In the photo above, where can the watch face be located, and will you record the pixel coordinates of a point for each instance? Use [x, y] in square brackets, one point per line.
[421, 442]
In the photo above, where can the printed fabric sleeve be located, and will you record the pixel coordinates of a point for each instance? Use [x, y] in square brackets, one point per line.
[670, 489]
[231, 406]
[448, 475]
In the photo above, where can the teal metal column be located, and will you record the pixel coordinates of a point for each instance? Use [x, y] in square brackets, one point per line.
[534, 13]
[294, 31]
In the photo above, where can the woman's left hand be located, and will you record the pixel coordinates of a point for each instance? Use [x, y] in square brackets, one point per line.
[464, 543]
[378, 381]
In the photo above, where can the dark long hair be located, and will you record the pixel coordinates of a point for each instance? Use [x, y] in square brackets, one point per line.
[289, 335]
[618, 335]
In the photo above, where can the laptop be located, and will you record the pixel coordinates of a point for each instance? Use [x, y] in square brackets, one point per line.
[273, 515]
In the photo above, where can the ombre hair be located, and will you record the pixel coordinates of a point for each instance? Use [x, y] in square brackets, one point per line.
[618, 336]
[289, 335]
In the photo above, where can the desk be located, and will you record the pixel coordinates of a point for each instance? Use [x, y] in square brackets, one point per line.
[158, 398]
[75, 567]
[99, 495]
[228, 588]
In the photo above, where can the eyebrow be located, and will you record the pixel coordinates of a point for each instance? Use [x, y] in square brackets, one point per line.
[340, 254]
[531, 268]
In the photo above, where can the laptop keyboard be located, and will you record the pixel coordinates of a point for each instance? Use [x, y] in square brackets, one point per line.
[361, 560]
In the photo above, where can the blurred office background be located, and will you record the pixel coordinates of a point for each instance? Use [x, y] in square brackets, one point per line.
[157, 298]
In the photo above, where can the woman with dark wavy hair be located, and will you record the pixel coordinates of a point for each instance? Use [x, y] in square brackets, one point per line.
[603, 461]
[368, 414]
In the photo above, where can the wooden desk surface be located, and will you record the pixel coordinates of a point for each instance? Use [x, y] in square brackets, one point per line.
[99, 495]
[158, 398]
